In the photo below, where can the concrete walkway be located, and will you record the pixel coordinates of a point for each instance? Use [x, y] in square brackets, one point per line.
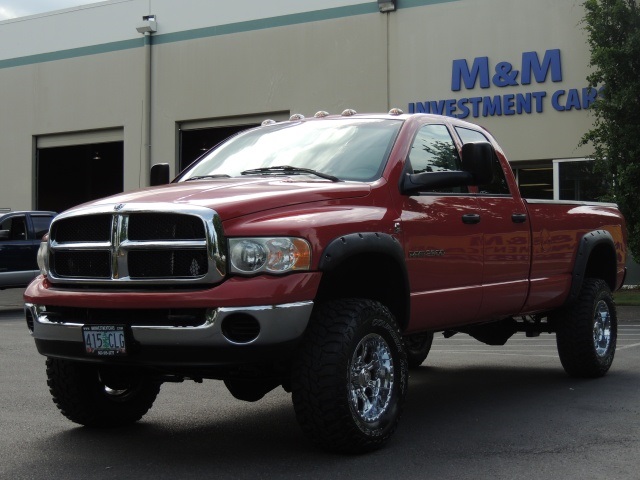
[11, 299]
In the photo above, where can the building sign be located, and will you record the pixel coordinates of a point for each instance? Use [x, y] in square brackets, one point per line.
[532, 71]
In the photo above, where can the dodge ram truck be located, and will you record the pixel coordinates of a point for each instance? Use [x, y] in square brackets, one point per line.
[318, 254]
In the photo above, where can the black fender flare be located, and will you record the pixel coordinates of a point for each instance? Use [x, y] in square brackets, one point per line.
[588, 243]
[344, 247]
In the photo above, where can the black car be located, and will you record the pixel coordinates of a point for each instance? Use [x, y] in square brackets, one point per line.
[20, 235]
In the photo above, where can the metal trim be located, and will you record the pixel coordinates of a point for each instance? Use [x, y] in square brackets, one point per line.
[119, 246]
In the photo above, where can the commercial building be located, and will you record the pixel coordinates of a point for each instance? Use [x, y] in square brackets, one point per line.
[92, 96]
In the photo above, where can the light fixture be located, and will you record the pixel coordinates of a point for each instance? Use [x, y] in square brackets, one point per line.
[386, 6]
[148, 24]
[97, 156]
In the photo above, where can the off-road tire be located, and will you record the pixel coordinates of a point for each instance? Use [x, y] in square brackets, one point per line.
[82, 394]
[417, 347]
[351, 348]
[586, 331]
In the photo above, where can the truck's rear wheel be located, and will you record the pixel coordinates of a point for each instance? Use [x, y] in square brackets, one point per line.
[97, 396]
[350, 378]
[586, 333]
[418, 347]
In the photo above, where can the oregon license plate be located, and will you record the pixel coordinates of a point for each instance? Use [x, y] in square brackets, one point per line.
[104, 340]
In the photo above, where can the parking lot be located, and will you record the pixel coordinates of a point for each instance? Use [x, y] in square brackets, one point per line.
[473, 412]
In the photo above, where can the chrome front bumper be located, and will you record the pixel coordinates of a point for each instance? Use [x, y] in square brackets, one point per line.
[278, 324]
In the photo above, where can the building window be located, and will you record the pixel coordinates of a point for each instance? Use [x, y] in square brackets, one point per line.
[576, 179]
[535, 179]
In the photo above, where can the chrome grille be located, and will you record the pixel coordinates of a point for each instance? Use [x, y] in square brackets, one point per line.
[164, 226]
[94, 228]
[167, 263]
[82, 264]
[150, 243]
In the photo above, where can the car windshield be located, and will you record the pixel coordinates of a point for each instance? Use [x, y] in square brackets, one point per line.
[348, 149]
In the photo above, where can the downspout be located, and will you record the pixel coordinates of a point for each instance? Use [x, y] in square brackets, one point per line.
[147, 28]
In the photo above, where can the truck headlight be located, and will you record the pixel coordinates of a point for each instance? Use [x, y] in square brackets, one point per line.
[269, 255]
[43, 256]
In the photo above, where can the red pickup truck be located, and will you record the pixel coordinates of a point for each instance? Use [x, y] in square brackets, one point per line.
[319, 255]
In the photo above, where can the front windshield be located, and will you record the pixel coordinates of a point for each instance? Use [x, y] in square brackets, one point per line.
[349, 149]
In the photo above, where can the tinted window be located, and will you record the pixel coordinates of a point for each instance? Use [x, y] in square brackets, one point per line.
[433, 150]
[13, 228]
[41, 225]
[499, 184]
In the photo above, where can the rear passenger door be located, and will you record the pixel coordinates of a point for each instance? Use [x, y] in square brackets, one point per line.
[506, 240]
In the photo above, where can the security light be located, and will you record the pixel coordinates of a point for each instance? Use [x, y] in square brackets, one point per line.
[386, 6]
[148, 24]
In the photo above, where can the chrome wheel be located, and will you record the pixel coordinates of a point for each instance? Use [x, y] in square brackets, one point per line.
[602, 328]
[371, 382]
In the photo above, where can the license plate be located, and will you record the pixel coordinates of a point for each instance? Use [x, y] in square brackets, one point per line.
[104, 340]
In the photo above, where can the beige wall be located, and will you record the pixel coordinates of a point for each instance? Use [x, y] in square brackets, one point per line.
[426, 40]
[78, 94]
[328, 65]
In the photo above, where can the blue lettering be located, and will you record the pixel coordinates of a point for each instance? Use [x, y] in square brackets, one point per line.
[508, 104]
[419, 107]
[505, 75]
[460, 72]
[531, 64]
[436, 107]
[475, 102]
[589, 96]
[573, 100]
[523, 103]
[539, 96]
[451, 107]
[491, 106]
[462, 106]
[555, 100]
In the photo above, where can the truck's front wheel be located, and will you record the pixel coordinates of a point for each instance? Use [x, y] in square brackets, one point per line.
[586, 332]
[350, 378]
[98, 396]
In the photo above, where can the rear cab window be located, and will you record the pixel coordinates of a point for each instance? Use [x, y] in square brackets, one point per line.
[499, 184]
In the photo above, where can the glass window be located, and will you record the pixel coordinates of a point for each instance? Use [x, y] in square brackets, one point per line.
[41, 224]
[13, 228]
[433, 150]
[499, 185]
[350, 149]
[535, 181]
[579, 181]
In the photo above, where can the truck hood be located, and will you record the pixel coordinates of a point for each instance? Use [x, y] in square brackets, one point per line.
[234, 197]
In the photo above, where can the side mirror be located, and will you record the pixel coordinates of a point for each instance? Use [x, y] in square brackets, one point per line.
[416, 182]
[159, 174]
[477, 159]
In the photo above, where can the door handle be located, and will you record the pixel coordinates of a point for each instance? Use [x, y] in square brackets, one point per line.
[470, 218]
[519, 217]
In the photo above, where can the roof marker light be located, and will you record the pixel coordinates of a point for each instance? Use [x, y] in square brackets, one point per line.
[268, 121]
[396, 111]
[321, 114]
[349, 112]
[296, 116]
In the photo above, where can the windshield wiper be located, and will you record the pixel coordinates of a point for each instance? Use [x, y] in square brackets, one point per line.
[289, 169]
[220, 175]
